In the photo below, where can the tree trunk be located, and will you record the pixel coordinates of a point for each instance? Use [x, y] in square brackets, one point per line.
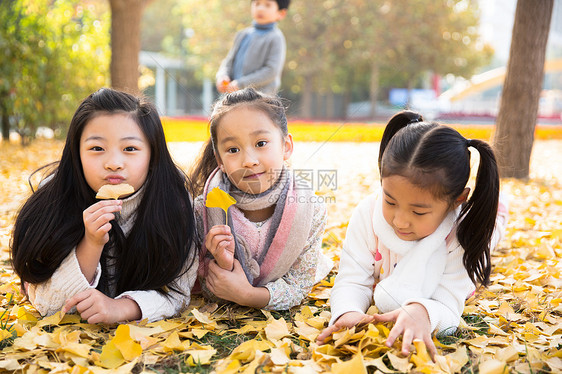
[515, 125]
[374, 89]
[5, 120]
[126, 18]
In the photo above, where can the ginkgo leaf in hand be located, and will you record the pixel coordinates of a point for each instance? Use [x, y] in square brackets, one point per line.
[217, 198]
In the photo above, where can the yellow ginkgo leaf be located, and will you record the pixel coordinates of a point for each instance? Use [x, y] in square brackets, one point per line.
[128, 347]
[421, 350]
[111, 356]
[277, 329]
[217, 198]
[355, 365]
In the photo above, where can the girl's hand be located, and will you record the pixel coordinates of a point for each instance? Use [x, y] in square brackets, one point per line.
[97, 226]
[234, 286]
[96, 221]
[412, 321]
[346, 320]
[220, 242]
[94, 307]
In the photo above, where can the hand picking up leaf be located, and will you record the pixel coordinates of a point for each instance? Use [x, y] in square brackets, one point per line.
[114, 191]
[217, 198]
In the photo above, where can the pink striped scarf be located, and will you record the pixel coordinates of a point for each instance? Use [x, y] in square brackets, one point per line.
[288, 232]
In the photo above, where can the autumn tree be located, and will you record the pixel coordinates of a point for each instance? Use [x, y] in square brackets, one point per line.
[342, 45]
[317, 34]
[126, 18]
[214, 23]
[513, 140]
[54, 54]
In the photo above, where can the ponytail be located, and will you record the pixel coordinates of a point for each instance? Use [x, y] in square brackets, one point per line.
[397, 122]
[478, 216]
[203, 168]
[436, 157]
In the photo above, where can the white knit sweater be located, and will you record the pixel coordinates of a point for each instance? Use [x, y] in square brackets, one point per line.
[359, 273]
[49, 297]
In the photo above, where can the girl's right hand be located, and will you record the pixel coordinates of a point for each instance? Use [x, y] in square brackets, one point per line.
[346, 320]
[95, 307]
[220, 242]
[97, 221]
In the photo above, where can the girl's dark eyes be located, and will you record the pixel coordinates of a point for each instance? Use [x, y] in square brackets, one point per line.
[96, 148]
[232, 150]
[130, 149]
[420, 214]
[389, 203]
[261, 143]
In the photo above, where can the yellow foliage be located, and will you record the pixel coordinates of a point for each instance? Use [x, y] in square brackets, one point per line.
[512, 326]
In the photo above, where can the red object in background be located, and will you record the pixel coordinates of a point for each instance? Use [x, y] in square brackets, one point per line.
[436, 84]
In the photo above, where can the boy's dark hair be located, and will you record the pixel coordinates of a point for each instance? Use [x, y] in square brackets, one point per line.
[272, 106]
[437, 158]
[283, 4]
[158, 248]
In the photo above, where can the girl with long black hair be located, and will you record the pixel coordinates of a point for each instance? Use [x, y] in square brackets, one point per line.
[112, 260]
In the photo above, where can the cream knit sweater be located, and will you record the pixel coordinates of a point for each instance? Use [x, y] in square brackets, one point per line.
[49, 297]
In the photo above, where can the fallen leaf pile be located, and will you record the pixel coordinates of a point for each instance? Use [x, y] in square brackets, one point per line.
[515, 325]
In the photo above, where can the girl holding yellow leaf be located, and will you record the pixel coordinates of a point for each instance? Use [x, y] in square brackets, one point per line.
[111, 260]
[265, 250]
[418, 246]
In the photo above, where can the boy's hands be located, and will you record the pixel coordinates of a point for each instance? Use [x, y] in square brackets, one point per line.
[95, 307]
[346, 320]
[411, 321]
[220, 242]
[225, 85]
[222, 83]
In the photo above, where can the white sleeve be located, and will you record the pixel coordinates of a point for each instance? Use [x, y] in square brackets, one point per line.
[155, 306]
[68, 280]
[446, 305]
[353, 287]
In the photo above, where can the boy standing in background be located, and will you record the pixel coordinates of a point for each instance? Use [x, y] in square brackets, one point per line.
[258, 54]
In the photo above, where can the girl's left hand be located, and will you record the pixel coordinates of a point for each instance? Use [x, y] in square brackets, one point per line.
[412, 321]
[94, 307]
[234, 286]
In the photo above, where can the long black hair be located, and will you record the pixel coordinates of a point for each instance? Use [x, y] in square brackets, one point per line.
[158, 248]
[436, 157]
[272, 106]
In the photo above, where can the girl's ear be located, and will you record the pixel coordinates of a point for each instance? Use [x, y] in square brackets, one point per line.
[287, 147]
[462, 197]
[219, 162]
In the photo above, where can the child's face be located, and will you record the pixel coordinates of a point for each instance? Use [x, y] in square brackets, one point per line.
[251, 149]
[267, 11]
[413, 213]
[114, 150]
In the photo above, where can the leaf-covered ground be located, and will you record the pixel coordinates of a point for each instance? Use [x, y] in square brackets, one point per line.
[514, 325]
